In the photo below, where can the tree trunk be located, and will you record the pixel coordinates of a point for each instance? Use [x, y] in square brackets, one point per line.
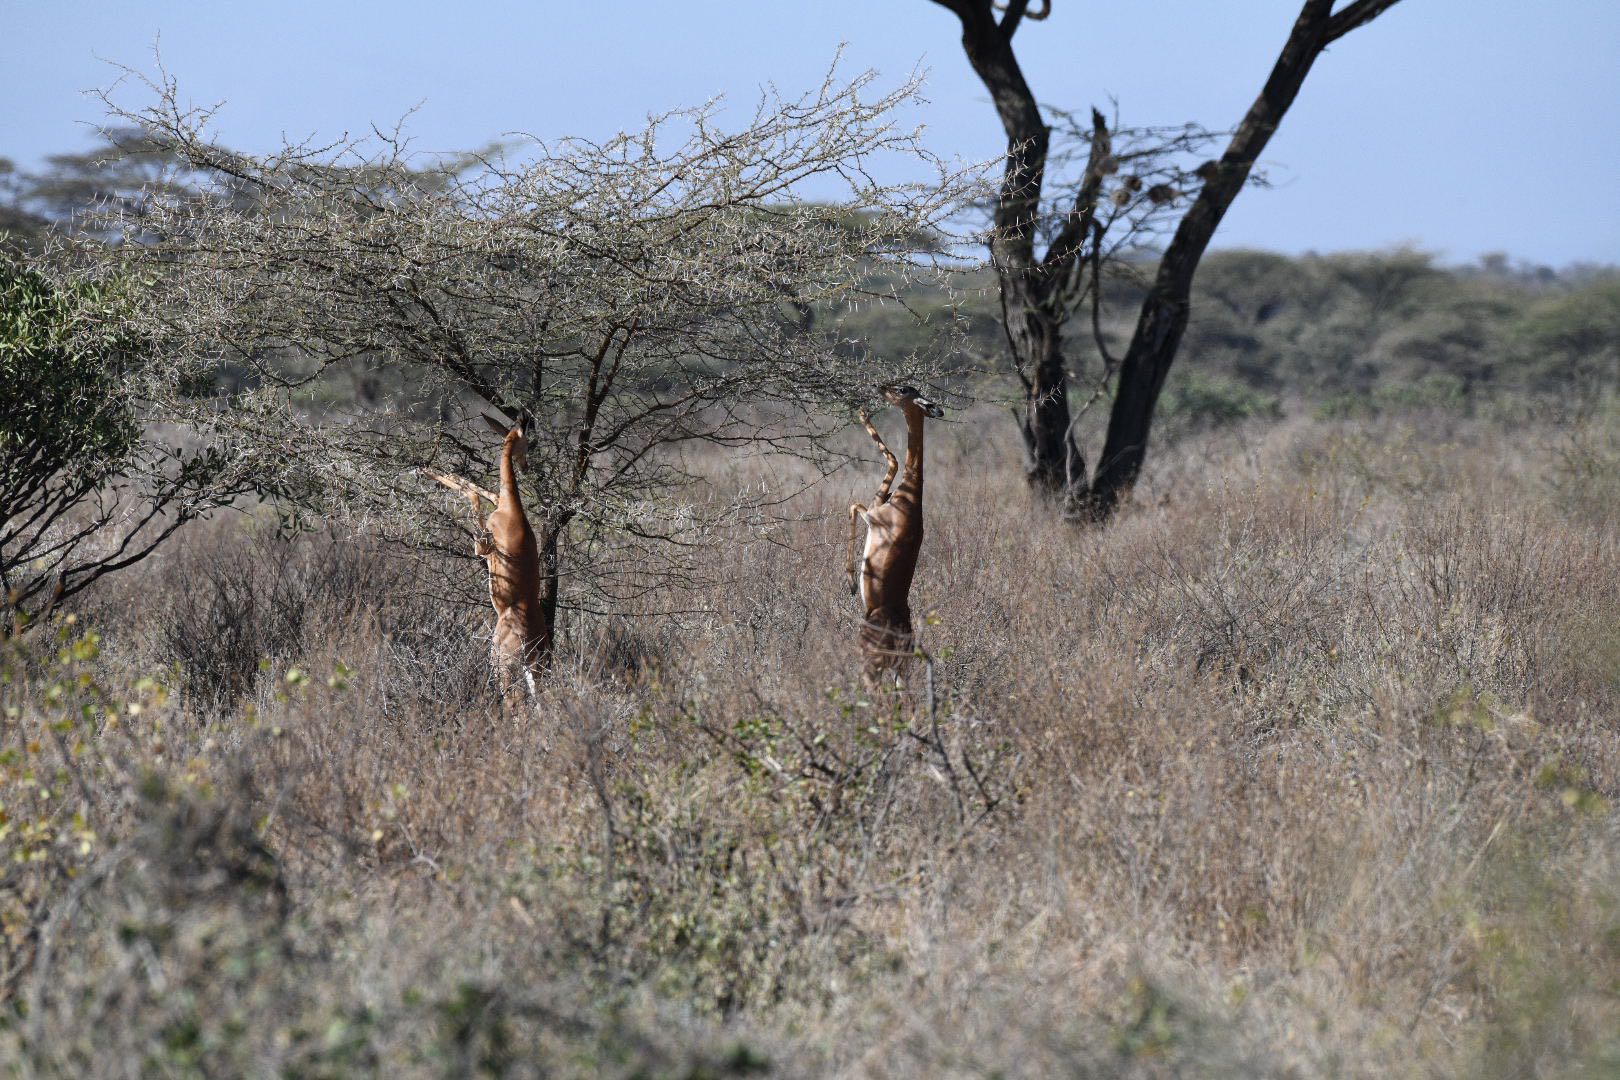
[1052, 463]
[550, 588]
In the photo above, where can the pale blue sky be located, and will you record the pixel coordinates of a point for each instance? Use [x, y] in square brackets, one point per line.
[1462, 126]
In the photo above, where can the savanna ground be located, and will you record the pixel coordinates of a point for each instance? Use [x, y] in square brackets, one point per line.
[1306, 766]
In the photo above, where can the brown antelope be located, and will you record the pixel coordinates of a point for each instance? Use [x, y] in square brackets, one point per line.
[894, 533]
[505, 541]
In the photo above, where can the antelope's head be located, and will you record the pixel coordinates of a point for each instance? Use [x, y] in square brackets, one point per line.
[514, 435]
[910, 395]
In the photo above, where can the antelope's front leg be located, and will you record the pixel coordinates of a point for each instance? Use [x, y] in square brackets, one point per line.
[894, 462]
[483, 540]
[856, 512]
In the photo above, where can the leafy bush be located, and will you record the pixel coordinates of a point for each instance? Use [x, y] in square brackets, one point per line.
[1199, 400]
[1441, 391]
[1333, 329]
[1572, 339]
[83, 492]
[64, 352]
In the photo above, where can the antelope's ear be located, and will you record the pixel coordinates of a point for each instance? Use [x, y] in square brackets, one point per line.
[494, 425]
[525, 422]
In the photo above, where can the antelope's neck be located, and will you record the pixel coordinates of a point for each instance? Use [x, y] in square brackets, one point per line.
[509, 487]
[914, 447]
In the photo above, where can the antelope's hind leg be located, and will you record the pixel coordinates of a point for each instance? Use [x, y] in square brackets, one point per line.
[856, 513]
[514, 678]
[886, 652]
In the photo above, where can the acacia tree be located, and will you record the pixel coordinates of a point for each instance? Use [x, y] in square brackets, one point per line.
[637, 298]
[1041, 292]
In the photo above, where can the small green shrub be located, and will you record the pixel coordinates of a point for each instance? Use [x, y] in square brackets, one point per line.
[65, 349]
[1438, 391]
[1202, 401]
[1573, 339]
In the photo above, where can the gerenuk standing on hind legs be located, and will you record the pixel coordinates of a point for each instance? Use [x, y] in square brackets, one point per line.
[521, 644]
[894, 533]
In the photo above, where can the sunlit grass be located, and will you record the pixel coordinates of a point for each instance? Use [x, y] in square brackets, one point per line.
[1305, 766]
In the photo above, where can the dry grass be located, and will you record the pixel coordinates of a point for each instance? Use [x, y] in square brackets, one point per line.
[1304, 767]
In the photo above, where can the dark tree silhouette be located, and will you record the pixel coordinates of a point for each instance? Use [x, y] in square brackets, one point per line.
[1038, 292]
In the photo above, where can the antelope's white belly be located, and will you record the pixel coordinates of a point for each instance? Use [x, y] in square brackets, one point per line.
[872, 541]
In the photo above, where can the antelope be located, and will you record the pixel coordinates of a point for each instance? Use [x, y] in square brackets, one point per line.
[894, 533]
[504, 540]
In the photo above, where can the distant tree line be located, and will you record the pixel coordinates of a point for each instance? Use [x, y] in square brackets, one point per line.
[1348, 332]
[1342, 335]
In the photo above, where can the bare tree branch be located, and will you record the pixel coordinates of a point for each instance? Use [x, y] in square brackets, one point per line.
[1356, 15]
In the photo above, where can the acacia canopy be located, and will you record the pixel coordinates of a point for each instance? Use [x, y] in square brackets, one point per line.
[635, 297]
